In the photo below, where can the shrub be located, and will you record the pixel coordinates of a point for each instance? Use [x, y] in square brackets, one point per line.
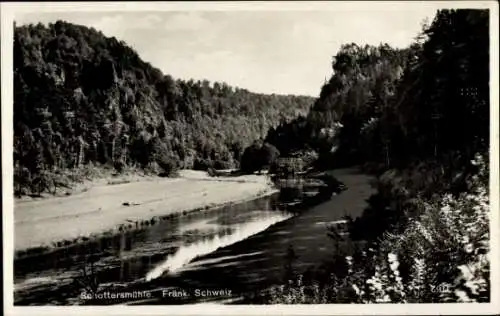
[168, 166]
[43, 182]
[202, 164]
[212, 172]
[441, 255]
[22, 180]
[221, 164]
[119, 165]
[257, 157]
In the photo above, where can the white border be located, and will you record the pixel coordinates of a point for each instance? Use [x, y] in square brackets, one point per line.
[8, 11]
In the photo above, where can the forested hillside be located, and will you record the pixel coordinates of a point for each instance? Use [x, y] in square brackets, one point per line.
[83, 98]
[418, 118]
[364, 79]
[394, 106]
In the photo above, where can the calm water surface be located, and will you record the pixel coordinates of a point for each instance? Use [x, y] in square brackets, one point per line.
[229, 251]
[142, 256]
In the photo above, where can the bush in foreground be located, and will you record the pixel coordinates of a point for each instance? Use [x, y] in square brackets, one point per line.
[440, 256]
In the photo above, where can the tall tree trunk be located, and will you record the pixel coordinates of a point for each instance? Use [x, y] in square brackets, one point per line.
[80, 151]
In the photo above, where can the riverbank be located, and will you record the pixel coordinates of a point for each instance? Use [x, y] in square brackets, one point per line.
[259, 262]
[103, 208]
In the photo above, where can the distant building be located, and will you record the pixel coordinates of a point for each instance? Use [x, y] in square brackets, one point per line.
[289, 165]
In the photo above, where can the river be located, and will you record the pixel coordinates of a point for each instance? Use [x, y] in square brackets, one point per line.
[217, 255]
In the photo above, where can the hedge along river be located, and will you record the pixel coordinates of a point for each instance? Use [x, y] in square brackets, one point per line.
[225, 251]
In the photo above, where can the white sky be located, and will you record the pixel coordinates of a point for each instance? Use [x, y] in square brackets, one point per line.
[286, 52]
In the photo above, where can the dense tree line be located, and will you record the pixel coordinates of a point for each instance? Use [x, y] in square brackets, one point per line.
[397, 106]
[363, 82]
[419, 117]
[81, 97]
[436, 125]
[415, 116]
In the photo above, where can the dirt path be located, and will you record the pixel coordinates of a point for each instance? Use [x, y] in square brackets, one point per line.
[102, 208]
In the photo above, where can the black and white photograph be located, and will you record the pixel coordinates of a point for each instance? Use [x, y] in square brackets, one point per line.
[338, 157]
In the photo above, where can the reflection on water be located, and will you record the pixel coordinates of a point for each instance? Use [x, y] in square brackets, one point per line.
[227, 237]
[140, 255]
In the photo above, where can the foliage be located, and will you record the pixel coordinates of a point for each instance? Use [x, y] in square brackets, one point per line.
[445, 252]
[444, 102]
[364, 81]
[397, 106]
[81, 97]
[296, 162]
[425, 235]
[290, 136]
[258, 156]
[442, 255]
[167, 165]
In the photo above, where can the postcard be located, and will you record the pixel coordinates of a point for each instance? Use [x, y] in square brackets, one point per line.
[173, 158]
